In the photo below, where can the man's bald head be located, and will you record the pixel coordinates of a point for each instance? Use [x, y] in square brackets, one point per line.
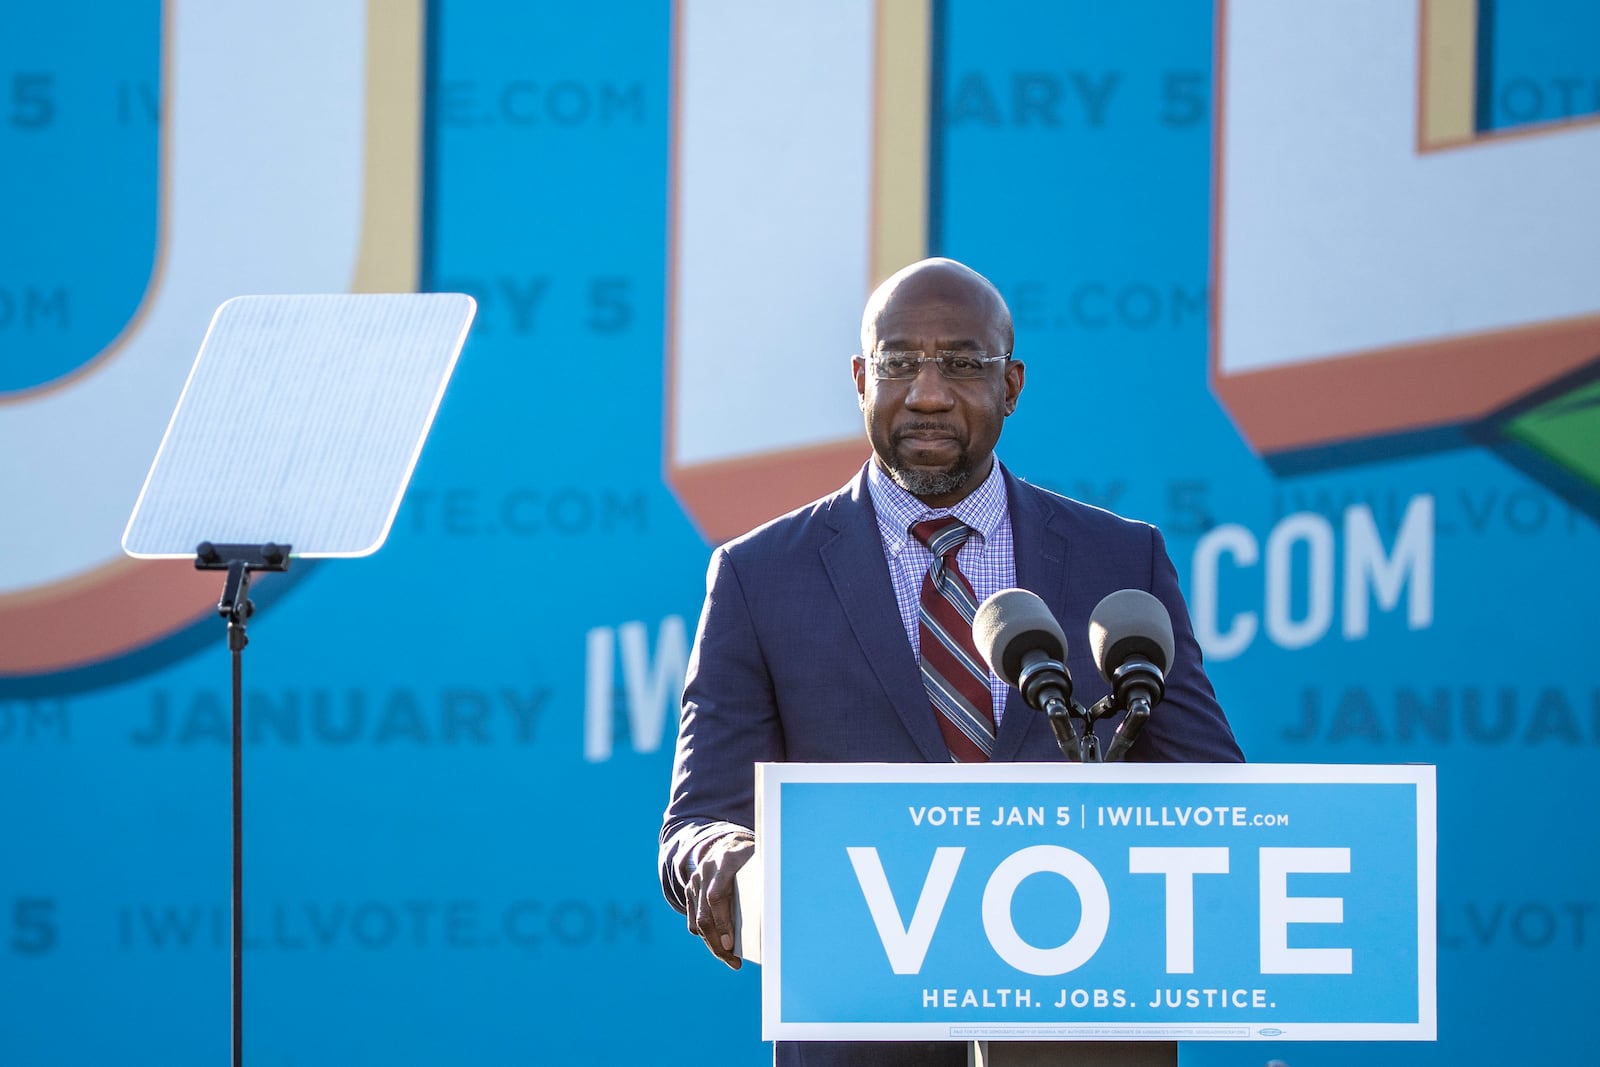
[937, 279]
[934, 430]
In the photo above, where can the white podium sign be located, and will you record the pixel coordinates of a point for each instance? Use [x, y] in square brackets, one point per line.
[1088, 902]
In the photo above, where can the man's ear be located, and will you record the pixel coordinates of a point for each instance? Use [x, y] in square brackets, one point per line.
[1016, 375]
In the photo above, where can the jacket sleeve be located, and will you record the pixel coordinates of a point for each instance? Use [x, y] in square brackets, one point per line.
[729, 722]
[1188, 726]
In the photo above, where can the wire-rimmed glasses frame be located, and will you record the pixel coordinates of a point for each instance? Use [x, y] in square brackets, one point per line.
[957, 364]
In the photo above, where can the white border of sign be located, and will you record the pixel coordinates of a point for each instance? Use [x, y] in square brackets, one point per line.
[770, 777]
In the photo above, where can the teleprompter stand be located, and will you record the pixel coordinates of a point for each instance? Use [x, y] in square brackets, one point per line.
[235, 606]
[342, 390]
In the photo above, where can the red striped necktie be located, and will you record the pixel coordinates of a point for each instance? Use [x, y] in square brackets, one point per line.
[957, 679]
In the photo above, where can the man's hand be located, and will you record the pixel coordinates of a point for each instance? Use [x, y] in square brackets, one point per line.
[710, 891]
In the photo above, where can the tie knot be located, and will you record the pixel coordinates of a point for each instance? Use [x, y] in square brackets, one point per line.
[941, 536]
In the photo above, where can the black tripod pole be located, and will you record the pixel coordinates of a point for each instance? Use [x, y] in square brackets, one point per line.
[236, 642]
[236, 608]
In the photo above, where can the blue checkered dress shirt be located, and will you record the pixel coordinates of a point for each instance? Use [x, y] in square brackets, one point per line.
[988, 559]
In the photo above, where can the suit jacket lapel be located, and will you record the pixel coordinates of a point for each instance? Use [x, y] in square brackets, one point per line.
[1040, 546]
[860, 576]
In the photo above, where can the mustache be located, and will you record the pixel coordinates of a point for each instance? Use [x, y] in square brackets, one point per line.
[925, 429]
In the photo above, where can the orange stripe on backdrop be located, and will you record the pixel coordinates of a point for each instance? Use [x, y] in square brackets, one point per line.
[108, 612]
[732, 496]
[1404, 388]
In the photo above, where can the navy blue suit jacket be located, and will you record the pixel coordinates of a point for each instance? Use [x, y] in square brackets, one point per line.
[801, 656]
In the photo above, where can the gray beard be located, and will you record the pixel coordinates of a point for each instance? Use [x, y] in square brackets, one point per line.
[932, 483]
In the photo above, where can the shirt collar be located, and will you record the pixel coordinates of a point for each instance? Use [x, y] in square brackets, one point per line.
[983, 509]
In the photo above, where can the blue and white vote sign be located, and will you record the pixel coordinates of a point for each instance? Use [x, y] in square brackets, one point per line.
[1122, 901]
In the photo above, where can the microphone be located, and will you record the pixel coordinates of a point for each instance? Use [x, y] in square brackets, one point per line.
[1024, 645]
[1130, 637]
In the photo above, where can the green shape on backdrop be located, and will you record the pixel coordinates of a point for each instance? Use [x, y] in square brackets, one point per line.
[1565, 430]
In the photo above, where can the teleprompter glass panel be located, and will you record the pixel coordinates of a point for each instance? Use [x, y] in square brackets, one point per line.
[300, 423]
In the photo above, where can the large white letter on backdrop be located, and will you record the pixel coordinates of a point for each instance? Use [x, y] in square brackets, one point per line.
[289, 163]
[799, 181]
[1381, 267]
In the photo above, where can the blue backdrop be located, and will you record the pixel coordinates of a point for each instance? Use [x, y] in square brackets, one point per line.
[457, 750]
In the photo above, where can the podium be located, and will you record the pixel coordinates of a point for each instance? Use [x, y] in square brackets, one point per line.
[1092, 913]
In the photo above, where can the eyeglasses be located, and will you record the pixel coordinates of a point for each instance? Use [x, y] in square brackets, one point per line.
[903, 366]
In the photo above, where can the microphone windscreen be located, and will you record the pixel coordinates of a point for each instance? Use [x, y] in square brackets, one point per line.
[1011, 624]
[1128, 623]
